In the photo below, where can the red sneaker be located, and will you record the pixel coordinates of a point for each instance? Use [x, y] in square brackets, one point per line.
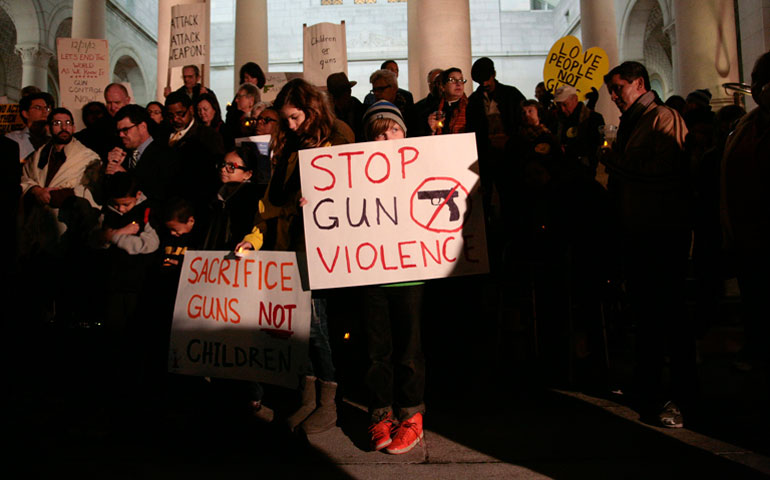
[408, 435]
[381, 432]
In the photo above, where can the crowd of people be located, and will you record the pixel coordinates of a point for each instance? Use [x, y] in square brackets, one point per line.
[104, 215]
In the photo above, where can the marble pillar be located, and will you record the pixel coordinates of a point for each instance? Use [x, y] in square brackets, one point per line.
[88, 20]
[705, 48]
[250, 36]
[34, 65]
[439, 37]
[598, 29]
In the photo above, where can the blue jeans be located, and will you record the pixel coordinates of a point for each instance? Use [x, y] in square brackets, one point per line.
[320, 364]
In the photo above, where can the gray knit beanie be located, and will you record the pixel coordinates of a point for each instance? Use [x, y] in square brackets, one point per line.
[384, 109]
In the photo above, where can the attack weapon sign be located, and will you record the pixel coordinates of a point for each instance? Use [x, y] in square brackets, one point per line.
[392, 211]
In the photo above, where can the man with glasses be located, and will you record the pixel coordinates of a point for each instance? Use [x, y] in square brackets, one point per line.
[385, 87]
[648, 180]
[191, 84]
[152, 163]
[405, 95]
[34, 109]
[58, 170]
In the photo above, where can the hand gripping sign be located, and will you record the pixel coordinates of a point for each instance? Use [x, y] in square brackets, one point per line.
[393, 211]
[568, 64]
[243, 318]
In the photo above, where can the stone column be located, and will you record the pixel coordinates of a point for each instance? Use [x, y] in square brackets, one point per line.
[88, 19]
[706, 51]
[439, 37]
[250, 35]
[34, 65]
[416, 84]
[597, 26]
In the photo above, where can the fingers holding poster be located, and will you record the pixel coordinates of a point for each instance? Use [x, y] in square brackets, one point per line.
[395, 211]
[568, 64]
[242, 318]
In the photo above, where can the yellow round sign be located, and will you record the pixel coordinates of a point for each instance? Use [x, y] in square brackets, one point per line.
[568, 64]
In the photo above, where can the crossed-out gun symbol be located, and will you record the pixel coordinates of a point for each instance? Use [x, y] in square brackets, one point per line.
[438, 196]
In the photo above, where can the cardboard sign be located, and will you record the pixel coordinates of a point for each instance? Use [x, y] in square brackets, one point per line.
[393, 211]
[10, 119]
[325, 52]
[568, 64]
[84, 72]
[189, 31]
[246, 318]
[274, 82]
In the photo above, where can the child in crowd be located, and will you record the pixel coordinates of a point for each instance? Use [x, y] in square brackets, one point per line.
[391, 323]
[132, 244]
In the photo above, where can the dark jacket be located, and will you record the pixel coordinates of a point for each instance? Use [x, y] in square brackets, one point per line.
[199, 153]
[508, 101]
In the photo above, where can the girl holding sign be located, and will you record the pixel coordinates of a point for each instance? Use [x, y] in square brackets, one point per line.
[307, 121]
[396, 373]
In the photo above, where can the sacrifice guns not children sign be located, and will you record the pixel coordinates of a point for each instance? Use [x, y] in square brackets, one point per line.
[392, 211]
[325, 52]
[188, 45]
[84, 72]
[246, 319]
[567, 63]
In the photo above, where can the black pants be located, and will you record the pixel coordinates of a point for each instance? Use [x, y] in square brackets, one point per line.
[656, 271]
[396, 373]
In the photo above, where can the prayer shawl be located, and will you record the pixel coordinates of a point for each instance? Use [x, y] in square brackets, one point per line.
[74, 173]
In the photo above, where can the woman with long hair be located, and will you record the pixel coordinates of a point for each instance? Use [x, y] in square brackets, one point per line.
[307, 121]
[206, 108]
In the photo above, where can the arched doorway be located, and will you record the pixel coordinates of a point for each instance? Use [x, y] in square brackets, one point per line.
[127, 70]
[10, 63]
[645, 38]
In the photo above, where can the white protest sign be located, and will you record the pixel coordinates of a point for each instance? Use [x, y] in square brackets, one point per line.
[84, 72]
[392, 211]
[274, 82]
[325, 52]
[189, 31]
[246, 318]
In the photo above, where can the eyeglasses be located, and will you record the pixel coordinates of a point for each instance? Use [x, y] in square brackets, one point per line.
[380, 89]
[59, 123]
[124, 131]
[231, 167]
[266, 120]
[456, 80]
[38, 107]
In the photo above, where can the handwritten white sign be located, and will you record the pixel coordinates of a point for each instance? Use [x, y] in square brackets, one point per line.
[325, 52]
[246, 318]
[392, 211]
[84, 72]
[189, 31]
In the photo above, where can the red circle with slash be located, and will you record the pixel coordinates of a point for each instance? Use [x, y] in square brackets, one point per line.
[442, 193]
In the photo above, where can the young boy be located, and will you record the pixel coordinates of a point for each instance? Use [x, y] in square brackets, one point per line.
[182, 232]
[132, 246]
